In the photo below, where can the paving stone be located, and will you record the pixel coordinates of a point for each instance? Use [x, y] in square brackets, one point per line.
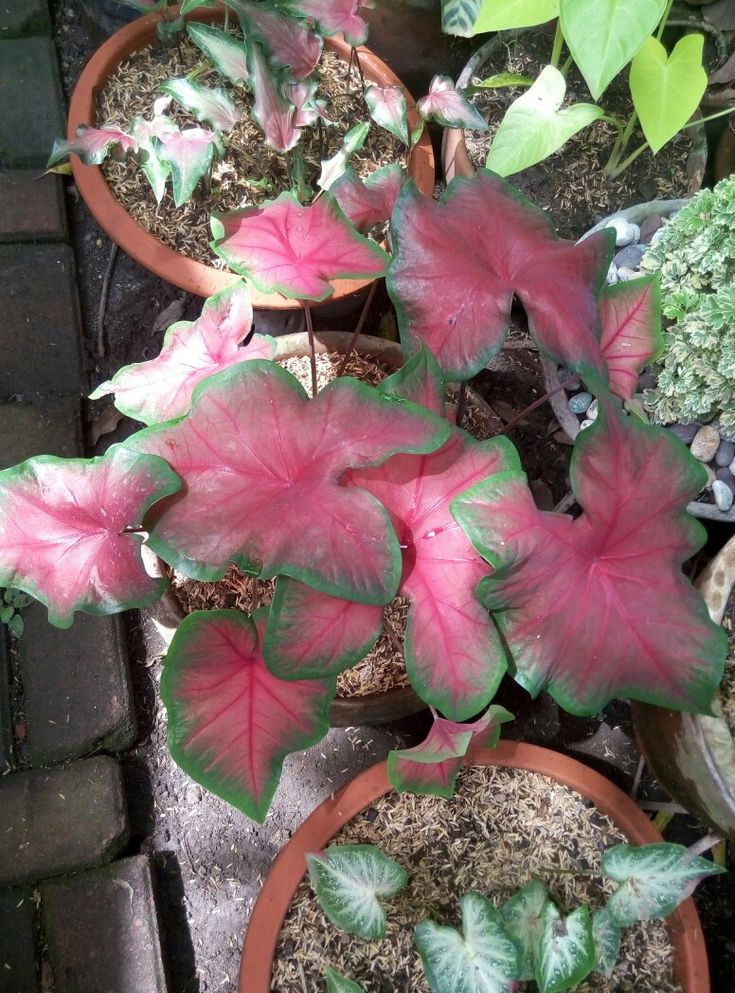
[24, 19]
[31, 208]
[50, 427]
[40, 325]
[6, 718]
[19, 948]
[33, 105]
[102, 930]
[54, 821]
[76, 687]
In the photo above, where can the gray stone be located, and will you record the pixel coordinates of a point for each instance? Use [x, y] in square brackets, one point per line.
[31, 207]
[629, 257]
[51, 427]
[646, 380]
[725, 476]
[723, 495]
[705, 443]
[579, 403]
[33, 105]
[586, 423]
[649, 227]
[626, 274]
[569, 380]
[54, 821]
[685, 432]
[6, 716]
[19, 949]
[76, 687]
[725, 453]
[592, 410]
[625, 232]
[102, 930]
[612, 276]
[23, 19]
[40, 330]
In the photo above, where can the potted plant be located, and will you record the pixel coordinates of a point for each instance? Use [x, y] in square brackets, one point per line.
[521, 827]
[269, 79]
[545, 131]
[358, 493]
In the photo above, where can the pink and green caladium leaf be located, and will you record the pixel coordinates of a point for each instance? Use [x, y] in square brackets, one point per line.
[654, 879]
[367, 203]
[448, 106]
[286, 248]
[337, 983]
[458, 262]
[63, 529]
[481, 959]
[147, 135]
[226, 53]
[432, 767]
[189, 153]
[161, 389]
[350, 881]
[273, 112]
[523, 915]
[420, 380]
[214, 106]
[388, 108]
[262, 465]
[335, 17]
[585, 605]
[92, 144]
[311, 634]
[230, 722]
[566, 949]
[287, 40]
[630, 314]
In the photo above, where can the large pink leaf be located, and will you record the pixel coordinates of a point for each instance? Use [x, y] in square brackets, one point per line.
[368, 203]
[62, 531]
[432, 766]
[631, 331]
[92, 144]
[295, 250]
[161, 389]
[446, 105]
[598, 607]
[458, 262]
[388, 108]
[274, 114]
[189, 153]
[287, 40]
[230, 722]
[261, 464]
[336, 17]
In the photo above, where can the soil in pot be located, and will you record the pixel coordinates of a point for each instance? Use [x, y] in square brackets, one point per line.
[503, 827]
[570, 184]
[250, 172]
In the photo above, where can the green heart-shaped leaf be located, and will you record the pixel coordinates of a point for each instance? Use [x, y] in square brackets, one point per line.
[604, 37]
[337, 983]
[667, 91]
[566, 949]
[499, 15]
[535, 126]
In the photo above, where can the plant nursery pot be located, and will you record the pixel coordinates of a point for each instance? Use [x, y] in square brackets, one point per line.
[690, 956]
[145, 248]
[373, 708]
[455, 157]
[725, 152]
[693, 755]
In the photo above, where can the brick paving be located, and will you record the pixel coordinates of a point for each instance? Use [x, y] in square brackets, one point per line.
[65, 696]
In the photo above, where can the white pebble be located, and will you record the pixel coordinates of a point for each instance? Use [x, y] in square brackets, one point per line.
[585, 423]
[592, 410]
[723, 495]
[626, 233]
[624, 274]
[612, 275]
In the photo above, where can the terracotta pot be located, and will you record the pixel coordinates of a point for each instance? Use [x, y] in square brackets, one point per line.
[455, 157]
[693, 755]
[690, 955]
[725, 152]
[145, 248]
[374, 708]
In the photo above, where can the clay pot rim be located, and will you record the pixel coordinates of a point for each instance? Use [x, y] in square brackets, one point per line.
[289, 868]
[145, 248]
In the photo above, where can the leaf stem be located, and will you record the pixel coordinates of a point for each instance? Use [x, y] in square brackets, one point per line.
[612, 173]
[358, 329]
[558, 44]
[567, 64]
[312, 350]
[704, 844]
[537, 403]
[664, 19]
[621, 143]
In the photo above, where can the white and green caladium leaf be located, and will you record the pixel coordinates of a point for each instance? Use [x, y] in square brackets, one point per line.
[214, 106]
[535, 125]
[483, 959]
[448, 106]
[226, 53]
[350, 881]
[604, 37]
[566, 950]
[667, 91]
[333, 168]
[655, 879]
[337, 983]
[607, 941]
[500, 15]
[189, 154]
[459, 16]
[388, 108]
[523, 917]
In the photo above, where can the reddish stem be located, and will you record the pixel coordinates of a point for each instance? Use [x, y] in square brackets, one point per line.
[537, 403]
[358, 329]
[312, 349]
